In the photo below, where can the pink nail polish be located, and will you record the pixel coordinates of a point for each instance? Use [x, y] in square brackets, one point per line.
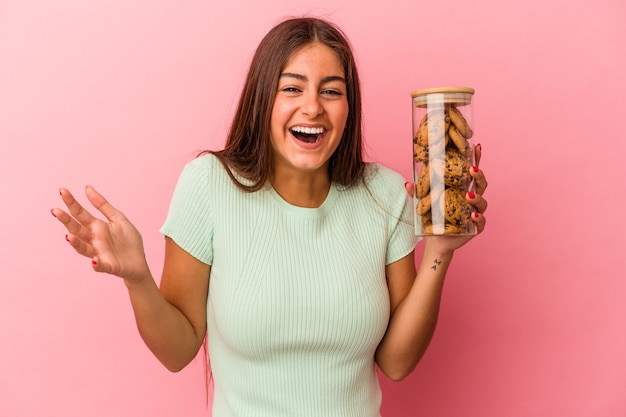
[471, 195]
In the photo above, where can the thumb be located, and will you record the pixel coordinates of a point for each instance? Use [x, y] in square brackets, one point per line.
[98, 265]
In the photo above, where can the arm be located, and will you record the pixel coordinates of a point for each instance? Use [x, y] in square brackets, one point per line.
[415, 300]
[415, 297]
[172, 320]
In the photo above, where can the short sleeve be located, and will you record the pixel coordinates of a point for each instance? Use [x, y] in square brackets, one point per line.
[403, 239]
[390, 191]
[189, 220]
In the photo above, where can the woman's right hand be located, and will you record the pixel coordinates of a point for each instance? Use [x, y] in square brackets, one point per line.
[114, 247]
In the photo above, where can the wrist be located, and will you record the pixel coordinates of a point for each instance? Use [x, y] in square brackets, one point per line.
[139, 278]
[434, 251]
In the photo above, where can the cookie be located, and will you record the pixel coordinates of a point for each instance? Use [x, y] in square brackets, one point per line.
[420, 153]
[432, 199]
[422, 185]
[423, 205]
[457, 170]
[459, 141]
[459, 122]
[432, 128]
[457, 210]
[439, 228]
[438, 166]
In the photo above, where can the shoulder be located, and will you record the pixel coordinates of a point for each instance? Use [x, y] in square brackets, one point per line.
[204, 162]
[379, 177]
[204, 169]
[381, 187]
[385, 187]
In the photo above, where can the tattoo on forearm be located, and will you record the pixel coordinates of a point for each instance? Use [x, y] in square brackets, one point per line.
[435, 264]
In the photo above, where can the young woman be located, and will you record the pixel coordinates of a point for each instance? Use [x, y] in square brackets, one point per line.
[288, 252]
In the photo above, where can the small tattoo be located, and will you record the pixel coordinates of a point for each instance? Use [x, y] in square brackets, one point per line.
[435, 264]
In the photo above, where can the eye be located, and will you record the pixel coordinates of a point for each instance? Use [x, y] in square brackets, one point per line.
[335, 93]
[291, 90]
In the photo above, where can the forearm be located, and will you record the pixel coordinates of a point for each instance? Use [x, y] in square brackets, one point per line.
[163, 327]
[413, 323]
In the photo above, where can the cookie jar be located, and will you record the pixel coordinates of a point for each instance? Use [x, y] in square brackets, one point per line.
[443, 155]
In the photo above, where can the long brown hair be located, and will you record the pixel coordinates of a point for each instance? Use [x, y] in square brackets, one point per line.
[248, 150]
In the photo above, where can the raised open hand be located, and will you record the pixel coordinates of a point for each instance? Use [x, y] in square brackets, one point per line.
[115, 247]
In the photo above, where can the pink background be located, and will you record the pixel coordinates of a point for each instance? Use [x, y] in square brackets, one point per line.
[121, 93]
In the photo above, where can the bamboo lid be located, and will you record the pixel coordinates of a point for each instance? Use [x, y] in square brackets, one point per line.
[438, 95]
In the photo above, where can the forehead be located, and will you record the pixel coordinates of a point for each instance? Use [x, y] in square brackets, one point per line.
[315, 57]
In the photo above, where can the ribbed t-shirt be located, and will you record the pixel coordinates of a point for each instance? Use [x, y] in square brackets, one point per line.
[298, 300]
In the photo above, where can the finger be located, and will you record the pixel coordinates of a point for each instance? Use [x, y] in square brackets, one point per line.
[100, 203]
[480, 221]
[72, 226]
[477, 201]
[480, 182]
[410, 188]
[68, 221]
[75, 209]
[80, 246]
[79, 221]
[477, 154]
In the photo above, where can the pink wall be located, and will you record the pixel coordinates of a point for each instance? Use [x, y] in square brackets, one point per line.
[119, 94]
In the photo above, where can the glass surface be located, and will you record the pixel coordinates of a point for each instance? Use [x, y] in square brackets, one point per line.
[442, 159]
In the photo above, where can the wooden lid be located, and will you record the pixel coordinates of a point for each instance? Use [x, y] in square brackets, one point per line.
[442, 90]
[438, 95]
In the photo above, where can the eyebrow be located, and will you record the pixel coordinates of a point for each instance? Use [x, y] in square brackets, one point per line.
[305, 78]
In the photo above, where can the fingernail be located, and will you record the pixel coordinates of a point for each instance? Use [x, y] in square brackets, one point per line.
[67, 237]
[52, 211]
[480, 147]
[475, 214]
[471, 195]
[474, 168]
[93, 262]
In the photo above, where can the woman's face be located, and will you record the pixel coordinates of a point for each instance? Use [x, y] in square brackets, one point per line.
[310, 110]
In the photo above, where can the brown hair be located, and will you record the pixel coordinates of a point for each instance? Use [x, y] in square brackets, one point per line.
[248, 150]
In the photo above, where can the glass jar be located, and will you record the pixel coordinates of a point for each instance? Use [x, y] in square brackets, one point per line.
[443, 155]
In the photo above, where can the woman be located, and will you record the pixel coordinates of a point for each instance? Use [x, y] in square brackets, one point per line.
[292, 255]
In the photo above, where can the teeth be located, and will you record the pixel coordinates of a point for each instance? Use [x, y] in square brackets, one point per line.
[308, 130]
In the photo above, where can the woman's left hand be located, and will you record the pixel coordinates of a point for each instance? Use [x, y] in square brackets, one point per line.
[447, 244]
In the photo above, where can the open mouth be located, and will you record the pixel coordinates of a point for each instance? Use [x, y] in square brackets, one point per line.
[307, 134]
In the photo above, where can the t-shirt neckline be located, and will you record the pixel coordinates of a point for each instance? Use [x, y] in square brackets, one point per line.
[306, 212]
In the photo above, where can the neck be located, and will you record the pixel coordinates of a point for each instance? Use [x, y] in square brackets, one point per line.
[302, 189]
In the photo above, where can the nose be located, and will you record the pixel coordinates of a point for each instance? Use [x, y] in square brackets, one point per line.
[311, 104]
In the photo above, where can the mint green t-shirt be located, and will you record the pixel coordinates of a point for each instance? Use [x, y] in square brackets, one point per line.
[298, 300]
